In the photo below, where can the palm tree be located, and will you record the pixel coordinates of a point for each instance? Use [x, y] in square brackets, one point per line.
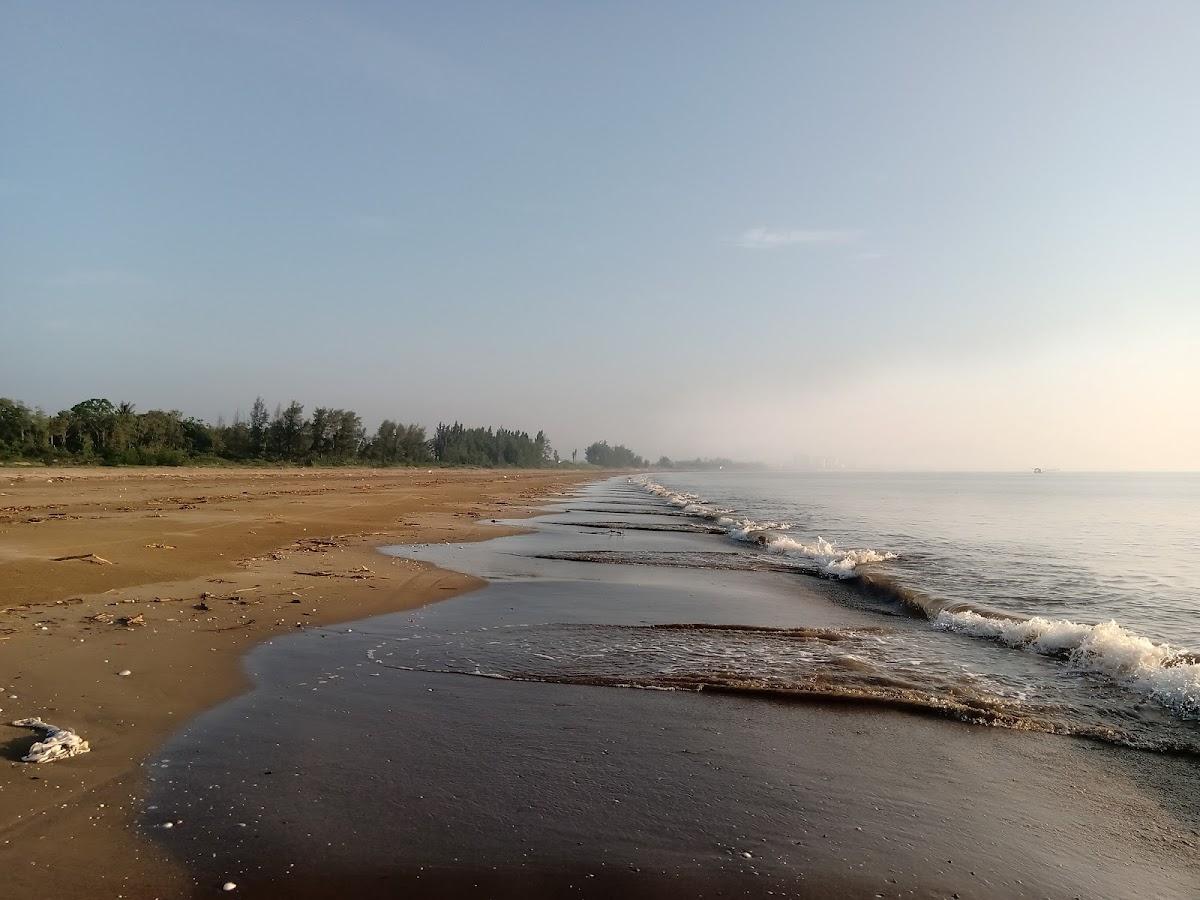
[124, 427]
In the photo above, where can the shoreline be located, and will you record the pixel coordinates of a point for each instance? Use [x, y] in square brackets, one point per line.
[566, 789]
[207, 564]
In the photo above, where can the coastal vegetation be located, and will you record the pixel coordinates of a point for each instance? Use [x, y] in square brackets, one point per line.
[618, 457]
[99, 431]
[700, 464]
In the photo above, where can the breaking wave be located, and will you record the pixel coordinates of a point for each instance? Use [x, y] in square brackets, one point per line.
[823, 556]
[1168, 675]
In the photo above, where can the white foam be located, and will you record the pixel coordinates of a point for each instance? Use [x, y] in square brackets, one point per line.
[828, 558]
[748, 529]
[823, 556]
[1159, 670]
[59, 743]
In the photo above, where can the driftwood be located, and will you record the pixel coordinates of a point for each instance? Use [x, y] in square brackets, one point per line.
[88, 557]
[355, 576]
[245, 624]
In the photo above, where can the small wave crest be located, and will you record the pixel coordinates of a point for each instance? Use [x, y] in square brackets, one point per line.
[1169, 675]
[789, 665]
[823, 556]
[828, 557]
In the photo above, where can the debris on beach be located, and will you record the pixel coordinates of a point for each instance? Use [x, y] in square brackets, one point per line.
[102, 618]
[316, 545]
[131, 621]
[160, 546]
[356, 575]
[59, 743]
[85, 557]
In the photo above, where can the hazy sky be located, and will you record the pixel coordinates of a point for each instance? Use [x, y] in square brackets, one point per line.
[930, 235]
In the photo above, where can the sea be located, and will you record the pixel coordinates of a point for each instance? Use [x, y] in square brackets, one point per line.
[1098, 573]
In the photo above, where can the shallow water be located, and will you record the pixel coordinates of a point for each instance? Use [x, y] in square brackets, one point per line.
[657, 712]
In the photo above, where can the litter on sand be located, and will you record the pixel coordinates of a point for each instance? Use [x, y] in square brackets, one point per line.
[57, 743]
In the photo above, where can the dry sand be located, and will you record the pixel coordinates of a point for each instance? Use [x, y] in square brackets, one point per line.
[171, 574]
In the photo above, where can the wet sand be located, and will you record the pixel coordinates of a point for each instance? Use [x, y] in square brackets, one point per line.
[172, 574]
[376, 762]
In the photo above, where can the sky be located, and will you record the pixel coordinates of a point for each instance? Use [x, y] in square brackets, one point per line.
[899, 235]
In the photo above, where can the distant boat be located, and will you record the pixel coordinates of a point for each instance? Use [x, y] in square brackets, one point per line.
[1037, 471]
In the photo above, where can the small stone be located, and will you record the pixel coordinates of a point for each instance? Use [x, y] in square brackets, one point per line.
[124, 673]
[229, 886]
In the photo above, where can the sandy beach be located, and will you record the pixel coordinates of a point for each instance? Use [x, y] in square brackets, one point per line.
[185, 580]
[170, 575]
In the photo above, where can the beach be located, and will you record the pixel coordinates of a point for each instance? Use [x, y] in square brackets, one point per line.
[170, 575]
[582, 451]
[611, 698]
[626, 709]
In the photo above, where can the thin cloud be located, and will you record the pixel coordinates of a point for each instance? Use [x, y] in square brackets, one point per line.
[772, 238]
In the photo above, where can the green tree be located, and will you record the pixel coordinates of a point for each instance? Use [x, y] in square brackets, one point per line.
[259, 421]
[348, 436]
[322, 436]
[618, 457]
[15, 423]
[91, 423]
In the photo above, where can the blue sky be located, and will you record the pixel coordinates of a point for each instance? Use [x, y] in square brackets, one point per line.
[925, 235]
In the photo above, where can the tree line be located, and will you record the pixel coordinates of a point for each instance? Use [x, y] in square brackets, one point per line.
[99, 431]
[707, 463]
[618, 457]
